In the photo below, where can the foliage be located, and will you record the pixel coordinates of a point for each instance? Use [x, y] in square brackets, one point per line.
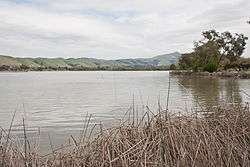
[24, 67]
[213, 50]
[186, 61]
[83, 68]
[242, 63]
[205, 54]
[211, 67]
[172, 67]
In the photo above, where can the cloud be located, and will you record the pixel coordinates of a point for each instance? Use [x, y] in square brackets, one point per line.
[114, 29]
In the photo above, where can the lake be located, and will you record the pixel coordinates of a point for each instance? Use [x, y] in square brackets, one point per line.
[58, 102]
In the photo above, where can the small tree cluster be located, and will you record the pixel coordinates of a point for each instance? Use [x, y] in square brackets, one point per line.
[214, 50]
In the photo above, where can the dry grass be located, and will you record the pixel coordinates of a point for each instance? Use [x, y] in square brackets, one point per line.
[217, 138]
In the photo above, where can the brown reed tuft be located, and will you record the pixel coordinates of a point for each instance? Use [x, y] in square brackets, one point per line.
[219, 136]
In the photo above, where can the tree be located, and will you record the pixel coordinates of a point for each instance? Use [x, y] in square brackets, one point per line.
[24, 67]
[206, 56]
[232, 46]
[186, 61]
[172, 67]
[216, 48]
[229, 46]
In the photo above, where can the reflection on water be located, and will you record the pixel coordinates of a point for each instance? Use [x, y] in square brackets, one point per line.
[56, 102]
[211, 91]
[232, 90]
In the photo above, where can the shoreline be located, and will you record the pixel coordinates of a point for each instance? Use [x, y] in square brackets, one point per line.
[83, 71]
[222, 74]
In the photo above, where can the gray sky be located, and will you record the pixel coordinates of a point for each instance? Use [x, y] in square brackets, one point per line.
[113, 29]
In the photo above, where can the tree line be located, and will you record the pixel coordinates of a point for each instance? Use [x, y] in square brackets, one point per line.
[23, 67]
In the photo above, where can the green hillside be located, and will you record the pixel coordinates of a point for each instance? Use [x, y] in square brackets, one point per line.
[167, 59]
[53, 62]
[9, 61]
[12, 63]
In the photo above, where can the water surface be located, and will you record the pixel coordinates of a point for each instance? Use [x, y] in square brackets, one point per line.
[57, 102]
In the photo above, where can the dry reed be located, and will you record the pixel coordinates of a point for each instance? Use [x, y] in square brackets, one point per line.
[219, 137]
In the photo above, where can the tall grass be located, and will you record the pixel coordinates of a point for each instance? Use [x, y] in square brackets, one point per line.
[217, 137]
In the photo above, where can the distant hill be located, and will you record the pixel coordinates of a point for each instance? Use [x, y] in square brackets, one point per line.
[12, 63]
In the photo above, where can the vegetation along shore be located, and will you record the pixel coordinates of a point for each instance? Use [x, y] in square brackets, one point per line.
[217, 53]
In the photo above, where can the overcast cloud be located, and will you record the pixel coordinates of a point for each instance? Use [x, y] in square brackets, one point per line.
[112, 29]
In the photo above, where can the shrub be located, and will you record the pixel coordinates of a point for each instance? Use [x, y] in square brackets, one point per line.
[172, 67]
[211, 67]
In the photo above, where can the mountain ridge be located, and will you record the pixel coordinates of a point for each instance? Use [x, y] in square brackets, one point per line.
[15, 63]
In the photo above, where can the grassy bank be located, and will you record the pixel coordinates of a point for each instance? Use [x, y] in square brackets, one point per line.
[217, 137]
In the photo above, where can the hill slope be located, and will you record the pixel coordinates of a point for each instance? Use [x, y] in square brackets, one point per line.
[12, 63]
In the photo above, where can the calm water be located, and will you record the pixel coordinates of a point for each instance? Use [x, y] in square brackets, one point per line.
[57, 102]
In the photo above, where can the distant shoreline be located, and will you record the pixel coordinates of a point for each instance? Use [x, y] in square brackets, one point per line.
[156, 63]
[13, 71]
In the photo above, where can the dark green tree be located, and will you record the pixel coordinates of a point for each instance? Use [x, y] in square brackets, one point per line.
[216, 48]
[229, 46]
[232, 47]
[24, 67]
[172, 67]
[186, 61]
[206, 56]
